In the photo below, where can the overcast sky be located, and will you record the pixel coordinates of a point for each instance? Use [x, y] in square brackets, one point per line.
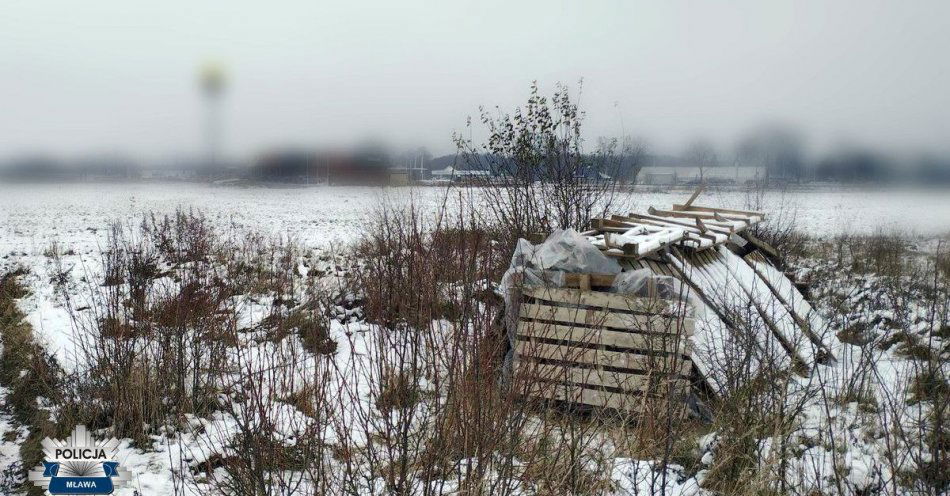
[119, 75]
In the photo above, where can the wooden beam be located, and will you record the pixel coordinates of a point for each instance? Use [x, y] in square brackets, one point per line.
[694, 195]
[762, 245]
[601, 224]
[720, 210]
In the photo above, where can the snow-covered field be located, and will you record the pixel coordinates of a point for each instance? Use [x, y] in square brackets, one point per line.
[76, 219]
[31, 217]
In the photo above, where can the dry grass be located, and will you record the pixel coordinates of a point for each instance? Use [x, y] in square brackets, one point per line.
[425, 407]
[29, 373]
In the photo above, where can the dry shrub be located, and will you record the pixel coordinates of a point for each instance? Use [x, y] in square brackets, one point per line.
[884, 253]
[271, 448]
[541, 177]
[163, 315]
[437, 408]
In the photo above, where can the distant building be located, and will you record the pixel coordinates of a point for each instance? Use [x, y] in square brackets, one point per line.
[669, 176]
[459, 175]
[361, 167]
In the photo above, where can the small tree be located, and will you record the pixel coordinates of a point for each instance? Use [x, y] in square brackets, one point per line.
[702, 154]
[538, 176]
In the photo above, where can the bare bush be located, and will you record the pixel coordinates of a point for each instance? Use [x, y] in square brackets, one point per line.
[539, 177]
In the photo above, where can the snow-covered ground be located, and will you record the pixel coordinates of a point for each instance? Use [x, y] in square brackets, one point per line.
[76, 219]
[76, 215]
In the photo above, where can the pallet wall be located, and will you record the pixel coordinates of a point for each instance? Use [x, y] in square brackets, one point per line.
[601, 349]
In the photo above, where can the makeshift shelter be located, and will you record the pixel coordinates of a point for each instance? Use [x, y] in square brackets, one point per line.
[647, 307]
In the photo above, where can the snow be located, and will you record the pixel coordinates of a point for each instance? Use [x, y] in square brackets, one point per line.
[75, 217]
[33, 216]
[11, 436]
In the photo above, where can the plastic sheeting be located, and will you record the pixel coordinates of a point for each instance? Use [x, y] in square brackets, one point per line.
[638, 283]
[564, 251]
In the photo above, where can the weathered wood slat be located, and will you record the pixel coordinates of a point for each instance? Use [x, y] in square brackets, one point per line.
[695, 194]
[629, 403]
[664, 343]
[639, 383]
[645, 323]
[616, 359]
[725, 211]
[601, 299]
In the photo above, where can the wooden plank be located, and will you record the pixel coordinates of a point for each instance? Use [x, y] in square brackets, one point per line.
[755, 256]
[695, 195]
[601, 224]
[725, 211]
[642, 383]
[624, 402]
[601, 299]
[660, 269]
[762, 245]
[645, 323]
[669, 364]
[662, 343]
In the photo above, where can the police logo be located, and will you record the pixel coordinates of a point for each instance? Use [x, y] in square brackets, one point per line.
[79, 465]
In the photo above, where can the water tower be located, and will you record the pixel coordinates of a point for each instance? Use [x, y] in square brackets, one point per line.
[212, 80]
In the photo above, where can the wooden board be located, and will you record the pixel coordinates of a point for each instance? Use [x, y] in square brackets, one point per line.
[669, 364]
[629, 403]
[601, 299]
[600, 318]
[724, 211]
[662, 343]
[598, 378]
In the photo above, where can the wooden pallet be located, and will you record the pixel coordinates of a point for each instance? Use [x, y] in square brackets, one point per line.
[600, 349]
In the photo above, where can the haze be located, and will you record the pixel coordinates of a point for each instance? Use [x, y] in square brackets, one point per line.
[82, 77]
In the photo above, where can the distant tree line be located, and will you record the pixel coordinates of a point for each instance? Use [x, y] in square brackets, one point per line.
[780, 150]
